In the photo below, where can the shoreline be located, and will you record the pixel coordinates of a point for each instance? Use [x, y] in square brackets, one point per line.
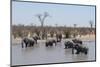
[83, 38]
[88, 38]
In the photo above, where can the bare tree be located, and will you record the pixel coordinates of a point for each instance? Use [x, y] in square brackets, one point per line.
[42, 19]
[91, 25]
[74, 30]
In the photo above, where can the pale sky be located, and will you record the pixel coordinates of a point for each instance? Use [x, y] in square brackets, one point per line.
[25, 13]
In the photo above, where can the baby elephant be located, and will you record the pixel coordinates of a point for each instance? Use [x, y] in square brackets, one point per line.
[68, 44]
[50, 42]
[80, 49]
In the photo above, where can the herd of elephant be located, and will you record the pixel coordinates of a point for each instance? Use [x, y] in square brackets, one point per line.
[75, 44]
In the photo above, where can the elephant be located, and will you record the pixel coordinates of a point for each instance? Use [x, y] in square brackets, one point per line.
[50, 42]
[77, 41]
[59, 37]
[36, 38]
[80, 49]
[68, 44]
[28, 42]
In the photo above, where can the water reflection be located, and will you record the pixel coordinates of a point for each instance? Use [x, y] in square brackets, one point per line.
[40, 54]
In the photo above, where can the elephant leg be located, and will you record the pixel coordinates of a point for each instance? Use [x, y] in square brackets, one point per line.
[36, 41]
[33, 44]
[30, 44]
[52, 44]
[72, 50]
[81, 42]
[22, 45]
[86, 51]
[66, 46]
[70, 46]
[60, 40]
[55, 43]
[77, 52]
[57, 40]
[46, 45]
[26, 44]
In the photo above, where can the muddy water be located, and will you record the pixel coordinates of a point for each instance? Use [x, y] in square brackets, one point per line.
[39, 54]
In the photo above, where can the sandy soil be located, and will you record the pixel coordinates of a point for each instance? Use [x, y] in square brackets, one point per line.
[83, 38]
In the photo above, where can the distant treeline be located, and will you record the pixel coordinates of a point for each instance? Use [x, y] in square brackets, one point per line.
[21, 30]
